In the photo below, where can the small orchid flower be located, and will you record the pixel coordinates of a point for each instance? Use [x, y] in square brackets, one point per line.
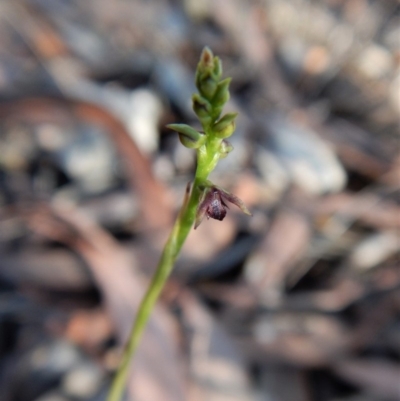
[214, 204]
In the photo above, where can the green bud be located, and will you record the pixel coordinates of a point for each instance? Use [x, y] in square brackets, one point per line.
[207, 85]
[197, 77]
[225, 127]
[225, 148]
[190, 143]
[188, 136]
[222, 94]
[217, 71]
[208, 73]
[217, 112]
[202, 108]
[206, 59]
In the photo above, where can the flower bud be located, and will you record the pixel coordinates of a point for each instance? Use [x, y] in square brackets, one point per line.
[208, 73]
[217, 71]
[225, 127]
[207, 86]
[225, 148]
[188, 136]
[202, 108]
[206, 59]
[222, 93]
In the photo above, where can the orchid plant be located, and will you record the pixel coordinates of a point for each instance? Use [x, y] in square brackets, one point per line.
[202, 198]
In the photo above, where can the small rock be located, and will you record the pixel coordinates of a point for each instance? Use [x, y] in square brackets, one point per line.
[145, 112]
[374, 250]
[90, 160]
[375, 62]
[309, 161]
[82, 382]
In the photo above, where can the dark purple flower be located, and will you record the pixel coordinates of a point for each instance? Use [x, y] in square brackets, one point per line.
[213, 204]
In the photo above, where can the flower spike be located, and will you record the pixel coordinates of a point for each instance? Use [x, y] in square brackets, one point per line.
[202, 199]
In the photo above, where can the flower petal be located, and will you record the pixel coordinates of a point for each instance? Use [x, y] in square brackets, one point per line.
[201, 212]
[235, 200]
[201, 209]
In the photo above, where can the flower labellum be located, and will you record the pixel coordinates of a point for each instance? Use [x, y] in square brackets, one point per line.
[213, 204]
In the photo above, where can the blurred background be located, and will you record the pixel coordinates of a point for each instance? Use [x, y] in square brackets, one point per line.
[300, 302]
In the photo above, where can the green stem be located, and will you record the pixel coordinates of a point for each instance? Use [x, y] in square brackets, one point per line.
[171, 251]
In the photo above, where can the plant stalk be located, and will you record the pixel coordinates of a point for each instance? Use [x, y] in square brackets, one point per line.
[178, 235]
